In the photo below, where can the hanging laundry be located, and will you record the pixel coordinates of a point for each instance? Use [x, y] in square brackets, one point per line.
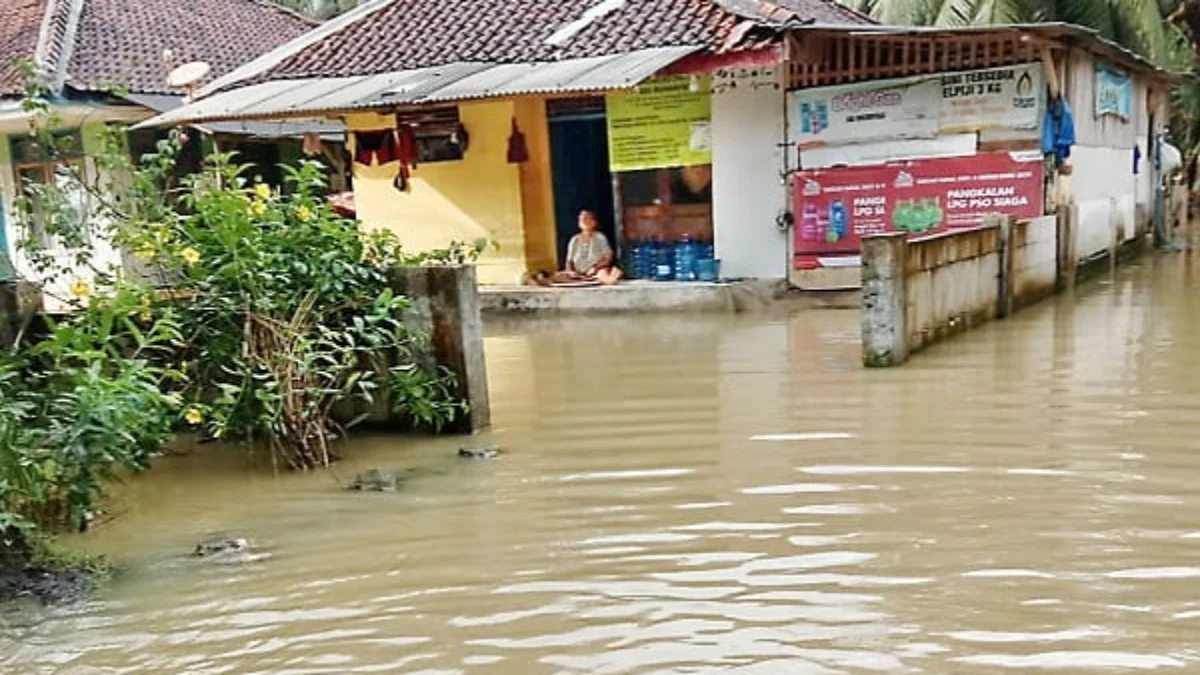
[518, 152]
[1058, 130]
[375, 147]
[407, 152]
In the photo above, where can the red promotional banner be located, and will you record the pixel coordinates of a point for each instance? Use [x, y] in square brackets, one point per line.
[834, 208]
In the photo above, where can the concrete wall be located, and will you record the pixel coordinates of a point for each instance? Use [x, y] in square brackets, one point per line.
[1103, 186]
[748, 194]
[106, 258]
[1034, 246]
[919, 292]
[445, 307]
[950, 283]
[478, 196]
[537, 186]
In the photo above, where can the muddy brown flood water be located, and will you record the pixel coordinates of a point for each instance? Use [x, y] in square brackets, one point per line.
[708, 494]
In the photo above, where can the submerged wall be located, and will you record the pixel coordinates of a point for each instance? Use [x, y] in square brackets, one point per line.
[919, 292]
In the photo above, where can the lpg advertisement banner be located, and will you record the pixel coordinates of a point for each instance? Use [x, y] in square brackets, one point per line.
[922, 107]
[835, 208]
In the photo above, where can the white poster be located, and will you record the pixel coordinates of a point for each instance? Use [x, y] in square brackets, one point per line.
[865, 111]
[995, 98]
[881, 152]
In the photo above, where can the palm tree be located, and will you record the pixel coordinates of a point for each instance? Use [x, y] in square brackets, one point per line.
[1148, 27]
[1139, 25]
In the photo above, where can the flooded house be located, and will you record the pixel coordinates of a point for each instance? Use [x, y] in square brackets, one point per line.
[106, 62]
[704, 124]
[485, 119]
[922, 130]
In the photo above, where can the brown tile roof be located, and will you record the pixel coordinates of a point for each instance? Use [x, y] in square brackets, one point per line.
[122, 41]
[20, 22]
[419, 33]
[95, 45]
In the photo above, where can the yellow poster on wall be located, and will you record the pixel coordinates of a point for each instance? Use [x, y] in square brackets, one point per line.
[666, 122]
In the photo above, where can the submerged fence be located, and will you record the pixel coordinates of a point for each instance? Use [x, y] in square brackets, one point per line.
[918, 292]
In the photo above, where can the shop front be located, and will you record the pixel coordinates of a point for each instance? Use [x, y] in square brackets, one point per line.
[920, 155]
[660, 155]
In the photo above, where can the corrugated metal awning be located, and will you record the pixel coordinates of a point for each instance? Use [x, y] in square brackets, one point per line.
[330, 131]
[329, 97]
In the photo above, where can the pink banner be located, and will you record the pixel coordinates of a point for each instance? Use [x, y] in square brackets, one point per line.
[835, 208]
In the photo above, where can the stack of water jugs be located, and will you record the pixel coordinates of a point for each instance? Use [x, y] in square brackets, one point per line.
[687, 259]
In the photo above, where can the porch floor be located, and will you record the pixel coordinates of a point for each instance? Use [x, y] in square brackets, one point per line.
[630, 296]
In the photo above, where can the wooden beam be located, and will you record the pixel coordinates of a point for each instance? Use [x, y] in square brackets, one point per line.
[1050, 70]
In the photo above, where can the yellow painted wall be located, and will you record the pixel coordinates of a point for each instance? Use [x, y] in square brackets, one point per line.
[478, 196]
[537, 186]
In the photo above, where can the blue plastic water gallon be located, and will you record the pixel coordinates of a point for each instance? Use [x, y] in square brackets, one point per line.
[640, 265]
[685, 259]
[664, 261]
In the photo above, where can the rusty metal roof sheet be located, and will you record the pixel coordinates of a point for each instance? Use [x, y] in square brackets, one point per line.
[318, 97]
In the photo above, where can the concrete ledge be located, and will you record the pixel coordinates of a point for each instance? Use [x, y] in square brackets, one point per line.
[632, 296]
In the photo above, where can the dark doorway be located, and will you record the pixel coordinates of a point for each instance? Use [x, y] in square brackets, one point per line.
[581, 179]
[263, 160]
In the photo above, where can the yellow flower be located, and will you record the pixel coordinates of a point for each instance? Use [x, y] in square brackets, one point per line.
[80, 289]
[193, 416]
[263, 191]
[258, 208]
[145, 316]
[190, 255]
[145, 252]
[304, 213]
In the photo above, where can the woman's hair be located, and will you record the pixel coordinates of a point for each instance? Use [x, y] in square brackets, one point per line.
[588, 212]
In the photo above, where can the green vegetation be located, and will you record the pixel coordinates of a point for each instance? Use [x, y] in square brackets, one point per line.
[254, 313]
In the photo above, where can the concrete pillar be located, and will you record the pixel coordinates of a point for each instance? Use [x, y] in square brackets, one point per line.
[1067, 259]
[445, 306]
[20, 303]
[1004, 275]
[884, 305]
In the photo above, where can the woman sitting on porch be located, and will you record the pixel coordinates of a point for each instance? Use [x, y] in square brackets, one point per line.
[589, 257]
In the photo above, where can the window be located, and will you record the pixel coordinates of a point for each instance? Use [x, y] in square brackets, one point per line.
[439, 133]
[39, 165]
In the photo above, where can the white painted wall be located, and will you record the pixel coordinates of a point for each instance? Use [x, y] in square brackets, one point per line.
[1103, 186]
[55, 286]
[1035, 260]
[747, 128]
[1105, 190]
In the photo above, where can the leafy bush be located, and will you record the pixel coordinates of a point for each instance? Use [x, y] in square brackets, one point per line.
[256, 313]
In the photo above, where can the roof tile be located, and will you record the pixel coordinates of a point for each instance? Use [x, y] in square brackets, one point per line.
[421, 33]
[20, 22]
[121, 42]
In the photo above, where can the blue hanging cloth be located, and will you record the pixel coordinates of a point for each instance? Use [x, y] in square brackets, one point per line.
[1058, 129]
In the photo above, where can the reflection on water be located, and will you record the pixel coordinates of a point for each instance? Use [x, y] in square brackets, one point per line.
[708, 494]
